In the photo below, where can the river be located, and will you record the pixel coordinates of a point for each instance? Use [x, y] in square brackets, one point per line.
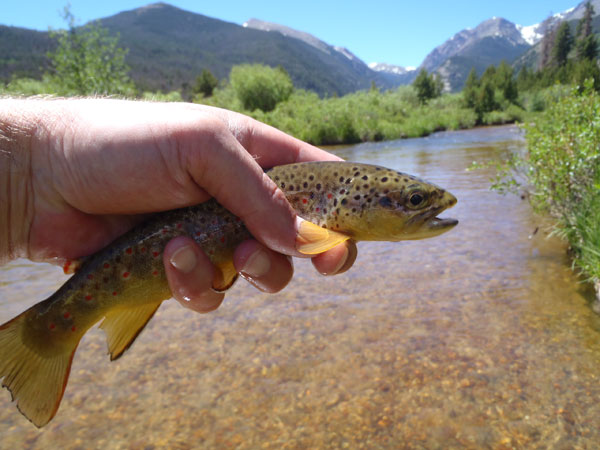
[480, 338]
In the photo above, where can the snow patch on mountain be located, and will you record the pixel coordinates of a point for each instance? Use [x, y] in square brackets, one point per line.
[390, 68]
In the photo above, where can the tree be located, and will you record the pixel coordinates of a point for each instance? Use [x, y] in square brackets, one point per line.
[260, 87]
[206, 83]
[546, 47]
[88, 61]
[427, 86]
[562, 44]
[506, 83]
[586, 45]
[471, 88]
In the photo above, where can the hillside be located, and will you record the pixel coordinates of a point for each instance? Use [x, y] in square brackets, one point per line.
[169, 47]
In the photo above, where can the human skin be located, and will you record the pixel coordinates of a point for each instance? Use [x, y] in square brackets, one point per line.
[77, 173]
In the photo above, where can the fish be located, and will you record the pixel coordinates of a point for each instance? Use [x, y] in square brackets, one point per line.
[124, 284]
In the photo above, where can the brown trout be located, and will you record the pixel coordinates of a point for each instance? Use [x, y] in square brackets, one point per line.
[125, 283]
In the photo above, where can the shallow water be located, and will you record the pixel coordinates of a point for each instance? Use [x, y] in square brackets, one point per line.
[480, 338]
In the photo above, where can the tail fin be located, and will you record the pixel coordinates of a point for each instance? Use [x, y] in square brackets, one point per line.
[35, 378]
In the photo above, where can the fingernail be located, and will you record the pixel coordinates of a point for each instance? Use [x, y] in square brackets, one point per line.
[309, 234]
[184, 259]
[257, 265]
[341, 263]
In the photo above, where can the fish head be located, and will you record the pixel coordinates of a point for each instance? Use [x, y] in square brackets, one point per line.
[401, 207]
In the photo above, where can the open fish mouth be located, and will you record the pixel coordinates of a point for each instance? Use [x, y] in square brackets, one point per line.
[442, 223]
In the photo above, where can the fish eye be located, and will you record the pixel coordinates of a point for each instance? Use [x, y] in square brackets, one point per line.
[416, 199]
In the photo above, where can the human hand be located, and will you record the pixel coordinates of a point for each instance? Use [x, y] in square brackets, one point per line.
[85, 171]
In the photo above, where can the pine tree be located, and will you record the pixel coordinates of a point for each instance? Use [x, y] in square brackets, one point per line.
[562, 45]
[206, 83]
[546, 47]
[586, 44]
[427, 86]
[470, 89]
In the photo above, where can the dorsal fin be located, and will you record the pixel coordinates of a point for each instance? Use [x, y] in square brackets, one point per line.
[123, 325]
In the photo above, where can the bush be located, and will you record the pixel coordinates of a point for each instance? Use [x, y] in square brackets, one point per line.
[260, 87]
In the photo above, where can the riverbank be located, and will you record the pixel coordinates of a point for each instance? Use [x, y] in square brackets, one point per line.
[561, 170]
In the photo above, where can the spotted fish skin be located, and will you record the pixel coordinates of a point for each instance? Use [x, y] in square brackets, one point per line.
[125, 283]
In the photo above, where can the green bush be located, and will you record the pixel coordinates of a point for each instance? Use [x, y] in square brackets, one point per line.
[260, 87]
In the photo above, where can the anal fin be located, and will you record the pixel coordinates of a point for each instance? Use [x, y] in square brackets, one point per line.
[123, 325]
[225, 275]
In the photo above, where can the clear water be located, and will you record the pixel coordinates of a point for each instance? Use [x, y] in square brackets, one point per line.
[480, 338]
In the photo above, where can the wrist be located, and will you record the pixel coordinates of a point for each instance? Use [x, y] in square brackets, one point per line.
[17, 125]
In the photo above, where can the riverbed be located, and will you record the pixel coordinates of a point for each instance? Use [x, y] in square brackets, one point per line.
[480, 338]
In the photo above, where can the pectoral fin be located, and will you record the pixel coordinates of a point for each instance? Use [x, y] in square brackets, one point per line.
[313, 239]
[123, 325]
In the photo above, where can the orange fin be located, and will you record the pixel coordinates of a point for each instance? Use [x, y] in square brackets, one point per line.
[314, 239]
[225, 276]
[123, 325]
[35, 374]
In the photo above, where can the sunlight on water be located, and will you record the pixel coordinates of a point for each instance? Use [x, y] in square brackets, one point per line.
[480, 338]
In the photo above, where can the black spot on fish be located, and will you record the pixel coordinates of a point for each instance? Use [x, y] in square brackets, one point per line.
[311, 177]
[335, 202]
[344, 201]
[341, 179]
[348, 180]
[342, 191]
[318, 186]
[305, 184]
[356, 174]
[291, 187]
[357, 197]
[384, 179]
[365, 177]
[282, 185]
[386, 202]
[365, 186]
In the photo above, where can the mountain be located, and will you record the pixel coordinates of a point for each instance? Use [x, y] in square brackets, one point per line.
[168, 47]
[490, 42]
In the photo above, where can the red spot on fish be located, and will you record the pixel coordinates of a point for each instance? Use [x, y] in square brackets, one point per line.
[223, 239]
[329, 195]
[52, 326]
[88, 297]
[155, 273]
[165, 231]
[73, 328]
[304, 201]
[238, 219]
[114, 293]
[66, 267]
[106, 265]
[90, 277]
[143, 250]
[179, 226]
[129, 250]
[67, 315]
[317, 209]
[198, 233]
[155, 254]
[126, 274]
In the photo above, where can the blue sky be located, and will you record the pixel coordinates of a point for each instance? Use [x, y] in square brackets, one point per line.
[396, 32]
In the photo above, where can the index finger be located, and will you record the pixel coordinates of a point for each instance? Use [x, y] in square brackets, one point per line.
[270, 146]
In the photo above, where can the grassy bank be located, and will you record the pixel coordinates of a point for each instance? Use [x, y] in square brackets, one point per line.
[562, 169]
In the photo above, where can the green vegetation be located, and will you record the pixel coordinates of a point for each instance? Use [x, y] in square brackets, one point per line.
[562, 172]
[86, 61]
[428, 86]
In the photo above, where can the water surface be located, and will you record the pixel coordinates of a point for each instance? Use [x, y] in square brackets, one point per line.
[480, 338]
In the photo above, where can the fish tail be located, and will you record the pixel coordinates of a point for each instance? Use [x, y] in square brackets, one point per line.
[35, 376]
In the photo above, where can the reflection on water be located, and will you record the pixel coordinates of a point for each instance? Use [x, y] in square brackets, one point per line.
[479, 338]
